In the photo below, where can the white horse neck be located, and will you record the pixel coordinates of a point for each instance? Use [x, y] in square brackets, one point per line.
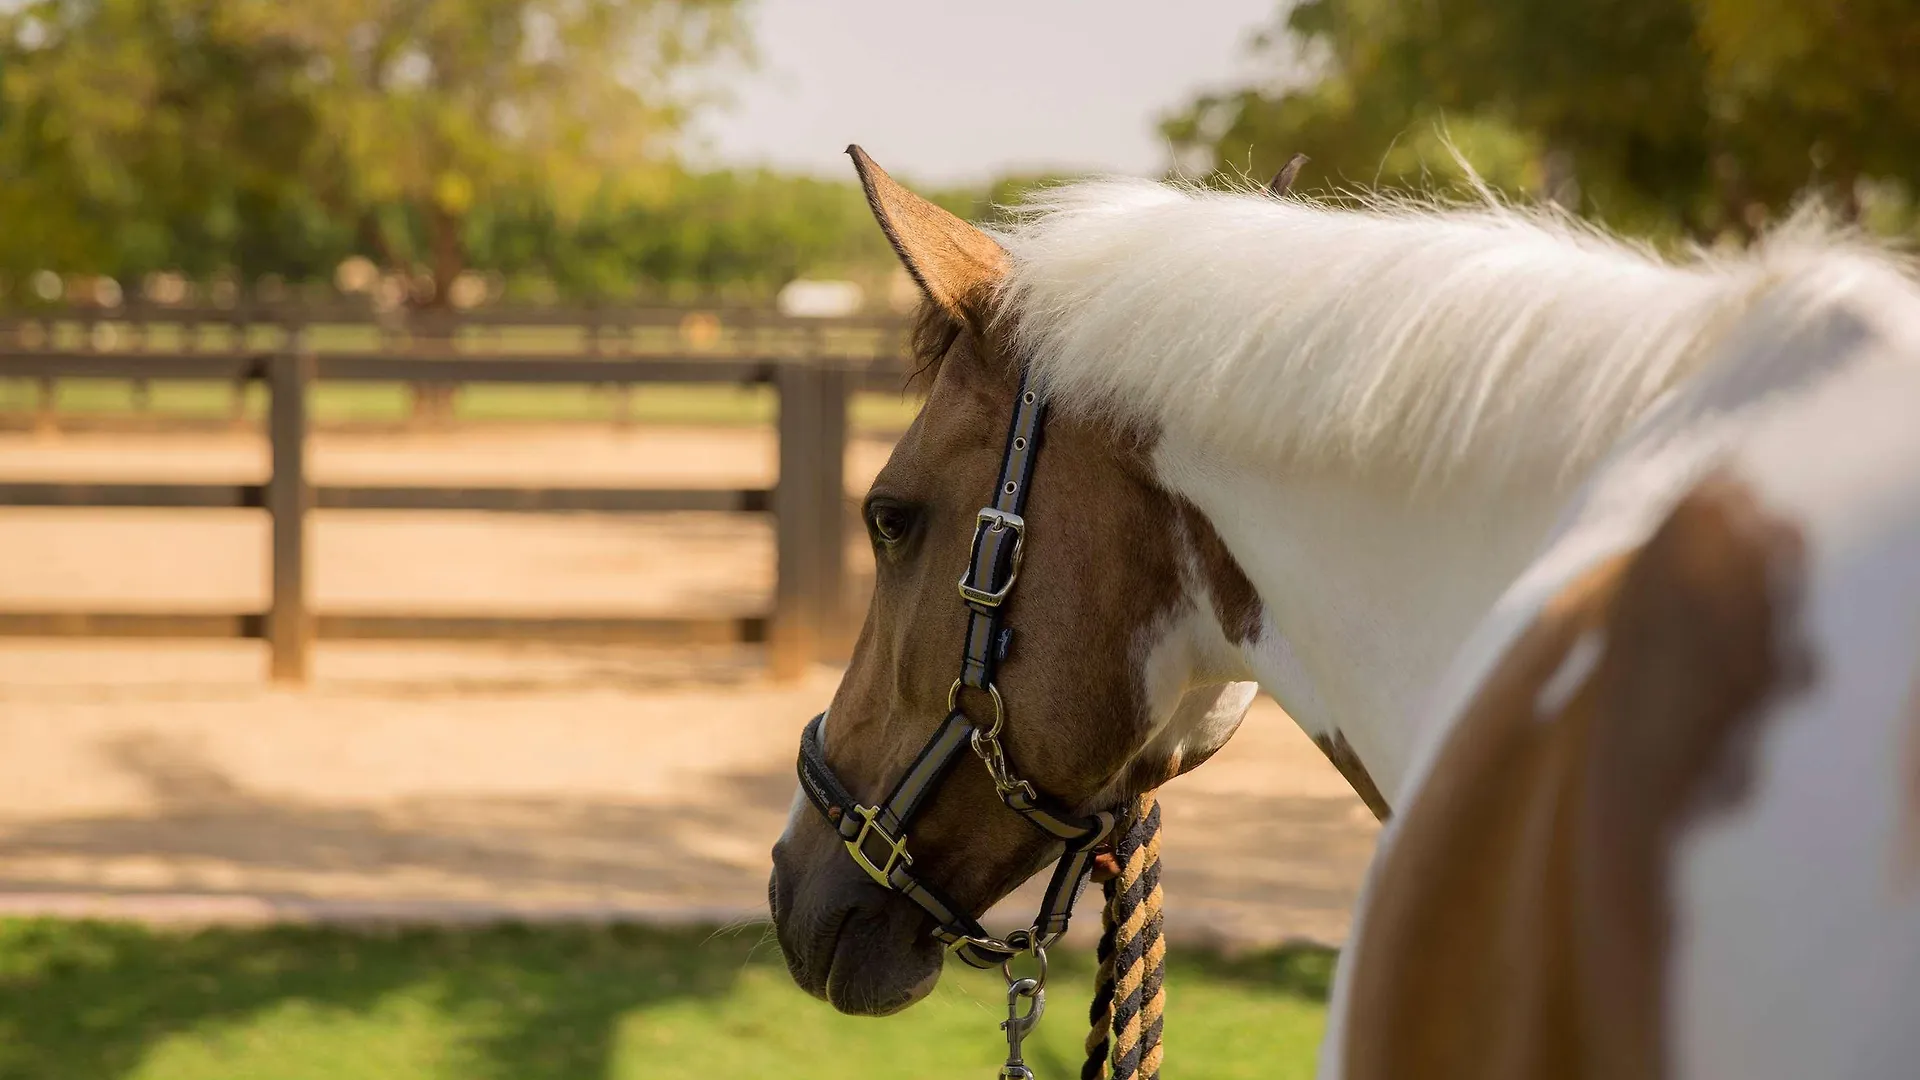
[1380, 411]
[1367, 595]
[1385, 605]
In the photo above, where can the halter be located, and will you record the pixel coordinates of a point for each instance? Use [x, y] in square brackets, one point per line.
[876, 836]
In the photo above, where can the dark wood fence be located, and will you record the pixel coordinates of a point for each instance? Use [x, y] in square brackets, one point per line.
[806, 502]
[863, 342]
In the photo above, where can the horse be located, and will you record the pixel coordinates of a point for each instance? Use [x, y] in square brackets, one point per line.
[1594, 570]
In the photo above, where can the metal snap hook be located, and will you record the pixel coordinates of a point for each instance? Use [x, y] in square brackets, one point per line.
[1018, 1026]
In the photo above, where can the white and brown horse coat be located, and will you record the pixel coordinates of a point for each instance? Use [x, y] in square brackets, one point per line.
[1674, 828]
[1655, 817]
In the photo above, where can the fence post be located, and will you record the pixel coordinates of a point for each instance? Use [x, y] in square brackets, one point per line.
[830, 595]
[289, 626]
[432, 333]
[137, 330]
[622, 346]
[46, 407]
[793, 638]
[237, 343]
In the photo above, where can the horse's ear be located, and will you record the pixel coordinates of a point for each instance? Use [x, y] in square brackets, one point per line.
[1283, 180]
[956, 264]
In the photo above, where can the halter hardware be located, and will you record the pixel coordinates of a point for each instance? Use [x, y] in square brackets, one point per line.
[991, 520]
[995, 758]
[999, 707]
[993, 565]
[1019, 1025]
[896, 846]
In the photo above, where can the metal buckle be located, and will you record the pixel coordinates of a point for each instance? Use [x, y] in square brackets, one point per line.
[995, 520]
[896, 847]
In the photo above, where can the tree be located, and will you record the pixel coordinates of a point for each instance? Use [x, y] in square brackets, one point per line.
[426, 106]
[380, 121]
[1338, 95]
[1814, 90]
[530, 138]
[1693, 116]
[135, 134]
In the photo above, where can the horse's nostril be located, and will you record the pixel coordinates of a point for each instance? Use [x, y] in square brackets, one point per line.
[773, 895]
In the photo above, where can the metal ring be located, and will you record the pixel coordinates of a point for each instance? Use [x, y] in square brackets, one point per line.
[1040, 980]
[999, 706]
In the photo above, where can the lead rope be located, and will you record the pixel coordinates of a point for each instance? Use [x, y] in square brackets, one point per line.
[1129, 991]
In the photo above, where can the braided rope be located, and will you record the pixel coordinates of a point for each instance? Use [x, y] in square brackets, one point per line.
[1129, 992]
[1100, 1014]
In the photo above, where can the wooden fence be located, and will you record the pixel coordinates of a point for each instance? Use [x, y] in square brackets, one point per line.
[862, 342]
[806, 501]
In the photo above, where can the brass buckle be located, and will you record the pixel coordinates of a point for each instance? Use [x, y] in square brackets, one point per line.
[995, 520]
[896, 847]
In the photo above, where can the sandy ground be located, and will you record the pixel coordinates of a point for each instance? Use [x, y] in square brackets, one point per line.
[170, 781]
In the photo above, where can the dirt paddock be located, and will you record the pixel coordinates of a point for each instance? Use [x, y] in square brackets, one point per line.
[169, 780]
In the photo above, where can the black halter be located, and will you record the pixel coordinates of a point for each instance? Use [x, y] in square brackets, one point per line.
[876, 836]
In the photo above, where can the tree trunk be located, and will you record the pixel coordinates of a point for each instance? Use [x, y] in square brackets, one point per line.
[449, 255]
[1559, 178]
[1846, 184]
[433, 403]
[1730, 188]
[374, 239]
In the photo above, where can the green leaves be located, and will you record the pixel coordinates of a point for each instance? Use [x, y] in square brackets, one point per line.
[257, 135]
[1665, 116]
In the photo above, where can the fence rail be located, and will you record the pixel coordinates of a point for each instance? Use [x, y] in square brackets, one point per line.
[308, 311]
[806, 501]
[431, 351]
[383, 497]
[880, 374]
[375, 627]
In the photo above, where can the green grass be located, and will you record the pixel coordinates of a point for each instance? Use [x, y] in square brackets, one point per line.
[92, 1001]
[389, 403]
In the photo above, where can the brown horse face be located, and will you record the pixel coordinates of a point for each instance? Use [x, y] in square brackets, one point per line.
[1089, 695]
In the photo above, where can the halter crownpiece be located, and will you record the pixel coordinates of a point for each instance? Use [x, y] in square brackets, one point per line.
[876, 836]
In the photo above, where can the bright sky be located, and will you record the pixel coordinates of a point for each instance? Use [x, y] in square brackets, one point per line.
[945, 92]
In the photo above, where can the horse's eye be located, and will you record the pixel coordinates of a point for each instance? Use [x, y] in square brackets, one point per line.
[889, 522]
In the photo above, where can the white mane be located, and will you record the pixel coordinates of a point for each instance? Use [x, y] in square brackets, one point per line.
[1398, 340]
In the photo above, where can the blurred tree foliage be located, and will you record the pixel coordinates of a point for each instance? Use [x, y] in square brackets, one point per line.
[742, 233]
[533, 139]
[139, 134]
[1701, 117]
[259, 136]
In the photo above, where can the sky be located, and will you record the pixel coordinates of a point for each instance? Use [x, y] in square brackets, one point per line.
[953, 93]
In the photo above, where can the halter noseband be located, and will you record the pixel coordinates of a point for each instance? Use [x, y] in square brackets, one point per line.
[876, 836]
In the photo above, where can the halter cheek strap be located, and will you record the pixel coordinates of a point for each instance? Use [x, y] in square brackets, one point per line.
[876, 836]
